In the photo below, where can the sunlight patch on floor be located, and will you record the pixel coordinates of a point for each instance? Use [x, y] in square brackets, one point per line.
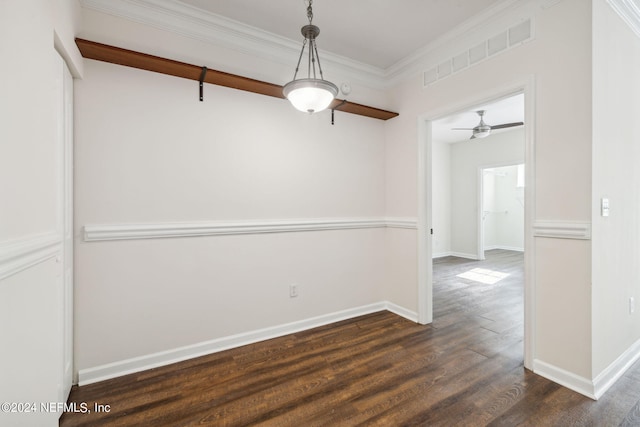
[482, 275]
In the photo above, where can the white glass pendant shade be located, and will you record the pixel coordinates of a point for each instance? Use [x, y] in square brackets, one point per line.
[310, 95]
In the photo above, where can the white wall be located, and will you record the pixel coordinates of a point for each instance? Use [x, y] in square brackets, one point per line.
[558, 63]
[149, 152]
[123, 179]
[441, 154]
[489, 208]
[467, 158]
[616, 155]
[503, 209]
[31, 171]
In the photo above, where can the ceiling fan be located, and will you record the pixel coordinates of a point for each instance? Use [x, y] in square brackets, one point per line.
[483, 130]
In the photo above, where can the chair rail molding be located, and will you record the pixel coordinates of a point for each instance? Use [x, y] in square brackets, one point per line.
[20, 254]
[220, 228]
[408, 223]
[562, 229]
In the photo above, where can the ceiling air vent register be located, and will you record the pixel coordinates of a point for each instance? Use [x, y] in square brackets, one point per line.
[506, 40]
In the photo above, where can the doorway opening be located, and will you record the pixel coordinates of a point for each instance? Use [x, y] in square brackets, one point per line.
[501, 208]
[452, 210]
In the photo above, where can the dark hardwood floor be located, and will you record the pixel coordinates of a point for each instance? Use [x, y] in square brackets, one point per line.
[379, 369]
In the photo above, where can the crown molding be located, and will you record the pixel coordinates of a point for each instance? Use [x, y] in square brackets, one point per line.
[629, 11]
[189, 21]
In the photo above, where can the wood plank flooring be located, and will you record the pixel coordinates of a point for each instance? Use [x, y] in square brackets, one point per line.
[378, 370]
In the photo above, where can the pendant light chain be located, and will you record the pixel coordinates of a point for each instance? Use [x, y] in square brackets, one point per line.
[313, 47]
[312, 44]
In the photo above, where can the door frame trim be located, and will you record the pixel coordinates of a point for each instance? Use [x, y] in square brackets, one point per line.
[425, 217]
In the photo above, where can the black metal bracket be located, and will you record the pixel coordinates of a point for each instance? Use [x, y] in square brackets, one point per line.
[344, 101]
[202, 75]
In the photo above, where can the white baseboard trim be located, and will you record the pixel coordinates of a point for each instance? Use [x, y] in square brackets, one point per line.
[149, 361]
[565, 378]
[613, 372]
[224, 228]
[474, 256]
[504, 248]
[464, 255]
[401, 311]
[441, 255]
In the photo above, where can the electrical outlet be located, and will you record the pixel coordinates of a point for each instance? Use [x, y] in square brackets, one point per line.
[632, 305]
[293, 291]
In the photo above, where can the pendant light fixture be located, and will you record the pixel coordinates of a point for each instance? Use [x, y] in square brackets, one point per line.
[310, 94]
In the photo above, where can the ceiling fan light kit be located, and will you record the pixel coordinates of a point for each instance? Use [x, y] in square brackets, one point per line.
[310, 94]
[482, 130]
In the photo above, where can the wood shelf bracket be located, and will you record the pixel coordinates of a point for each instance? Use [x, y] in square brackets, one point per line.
[344, 101]
[202, 76]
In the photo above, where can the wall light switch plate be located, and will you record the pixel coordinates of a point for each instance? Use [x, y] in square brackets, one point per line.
[604, 206]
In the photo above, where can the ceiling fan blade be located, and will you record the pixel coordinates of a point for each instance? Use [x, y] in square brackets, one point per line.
[461, 128]
[507, 125]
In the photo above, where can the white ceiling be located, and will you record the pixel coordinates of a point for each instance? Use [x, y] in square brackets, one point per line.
[379, 33]
[375, 32]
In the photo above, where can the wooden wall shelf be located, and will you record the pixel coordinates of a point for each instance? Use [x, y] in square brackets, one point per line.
[143, 61]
